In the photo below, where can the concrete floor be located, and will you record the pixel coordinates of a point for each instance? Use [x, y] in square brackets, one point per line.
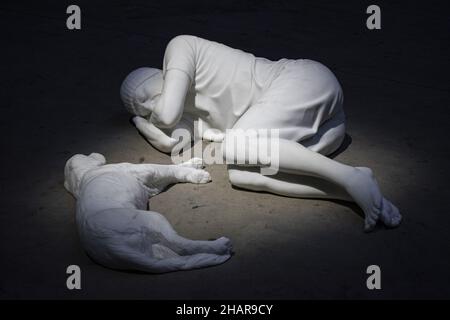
[60, 96]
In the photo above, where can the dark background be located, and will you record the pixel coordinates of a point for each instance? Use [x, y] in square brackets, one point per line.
[60, 96]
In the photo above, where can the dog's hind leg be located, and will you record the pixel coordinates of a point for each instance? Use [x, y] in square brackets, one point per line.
[184, 246]
[149, 228]
[145, 263]
[168, 237]
[200, 260]
[124, 238]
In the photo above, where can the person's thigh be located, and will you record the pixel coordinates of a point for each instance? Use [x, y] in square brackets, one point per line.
[329, 137]
[303, 97]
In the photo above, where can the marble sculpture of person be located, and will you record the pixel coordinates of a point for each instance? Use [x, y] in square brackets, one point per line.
[228, 89]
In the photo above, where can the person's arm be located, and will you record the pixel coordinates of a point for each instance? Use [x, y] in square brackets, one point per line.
[169, 107]
[162, 139]
[154, 135]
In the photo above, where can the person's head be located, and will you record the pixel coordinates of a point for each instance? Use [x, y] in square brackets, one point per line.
[139, 88]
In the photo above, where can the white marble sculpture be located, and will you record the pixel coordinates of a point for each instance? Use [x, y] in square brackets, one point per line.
[118, 231]
[228, 89]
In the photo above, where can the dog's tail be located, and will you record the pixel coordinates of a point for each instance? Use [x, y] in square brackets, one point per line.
[76, 167]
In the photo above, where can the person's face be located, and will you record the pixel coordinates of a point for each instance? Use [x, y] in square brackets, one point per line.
[147, 94]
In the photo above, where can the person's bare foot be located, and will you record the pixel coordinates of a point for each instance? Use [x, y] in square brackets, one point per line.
[364, 189]
[390, 215]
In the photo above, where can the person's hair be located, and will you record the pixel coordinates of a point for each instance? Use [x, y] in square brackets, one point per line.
[131, 83]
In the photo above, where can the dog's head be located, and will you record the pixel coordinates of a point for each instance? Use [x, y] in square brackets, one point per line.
[77, 166]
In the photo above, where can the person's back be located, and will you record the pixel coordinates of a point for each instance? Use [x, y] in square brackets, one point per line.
[225, 81]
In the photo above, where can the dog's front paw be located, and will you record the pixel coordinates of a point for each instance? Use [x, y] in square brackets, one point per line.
[196, 163]
[199, 176]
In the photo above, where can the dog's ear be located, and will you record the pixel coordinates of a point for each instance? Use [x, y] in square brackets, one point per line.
[98, 157]
[77, 166]
[73, 174]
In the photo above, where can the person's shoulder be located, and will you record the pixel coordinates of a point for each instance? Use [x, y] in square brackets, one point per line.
[181, 44]
[183, 38]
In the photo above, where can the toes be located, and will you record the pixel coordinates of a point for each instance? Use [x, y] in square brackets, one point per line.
[390, 215]
[385, 211]
[396, 216]
[396, 220]
[371, 220]
[369, 224]
[393, 216]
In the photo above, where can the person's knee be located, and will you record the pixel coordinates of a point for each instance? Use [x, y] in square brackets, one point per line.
[235, 177]
[245, 179]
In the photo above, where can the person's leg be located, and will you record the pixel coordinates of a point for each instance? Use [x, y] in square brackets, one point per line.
[358, 182]
[326, 140]
[290, 185]
[302, 101]
[329, 137]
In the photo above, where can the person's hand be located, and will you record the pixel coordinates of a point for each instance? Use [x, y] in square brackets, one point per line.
[149, 105]
[139, 121]
[155, 136]
[154, 102]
